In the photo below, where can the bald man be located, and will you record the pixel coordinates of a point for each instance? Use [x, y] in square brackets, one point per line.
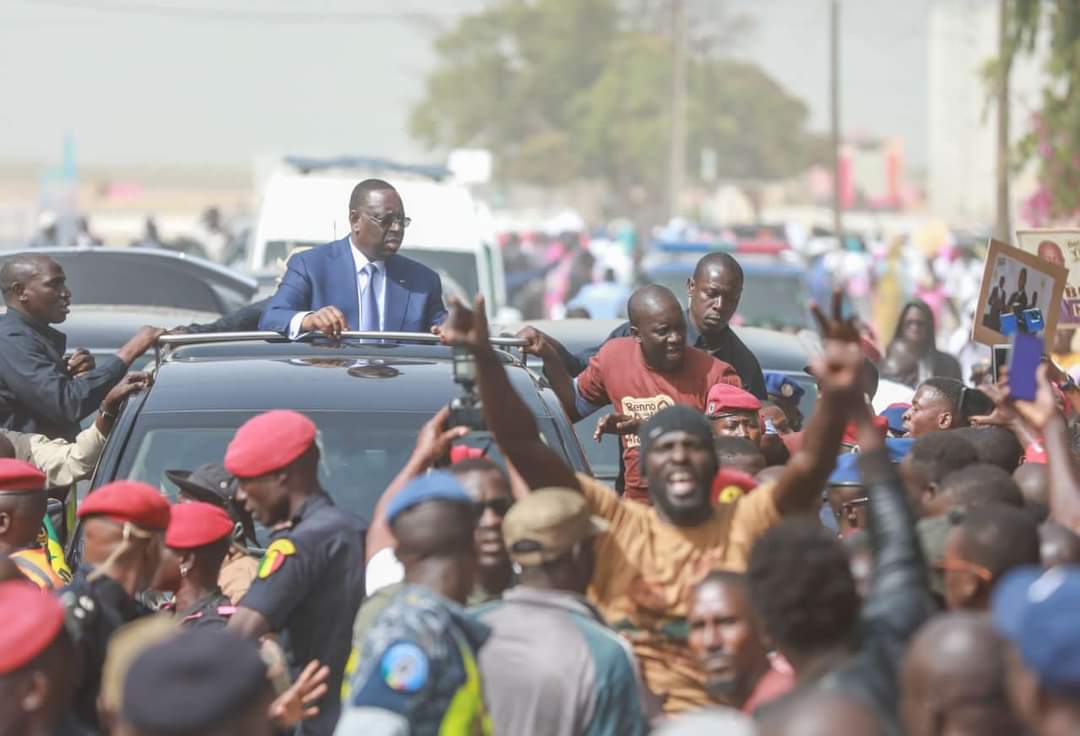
[821, 713]
[638, 376]
[953, 680]
[713, 294]
[42, 390]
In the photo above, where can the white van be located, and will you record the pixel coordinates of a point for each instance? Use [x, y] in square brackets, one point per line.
[450, 232]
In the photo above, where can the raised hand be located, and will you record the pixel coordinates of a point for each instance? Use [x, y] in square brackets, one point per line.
[434, 440]
[536, 342]
[466, 328]
[296, 703]
[839, 369]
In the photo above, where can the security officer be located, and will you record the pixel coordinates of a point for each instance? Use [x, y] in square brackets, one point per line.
[311, 580]
[199, 535]
[416, 672]
[123, 526]
[786, 394]
[22, 507]
[197, 682]
[37, 674]
[211, 483]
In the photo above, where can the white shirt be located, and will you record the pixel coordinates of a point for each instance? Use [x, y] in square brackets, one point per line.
[360, 261]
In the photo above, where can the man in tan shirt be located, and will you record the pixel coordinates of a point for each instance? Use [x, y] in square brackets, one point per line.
[65, 463]
[652, 556]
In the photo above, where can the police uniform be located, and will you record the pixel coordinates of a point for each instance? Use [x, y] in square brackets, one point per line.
[212, 483]
[99, 605]
[310, 582]
[195, 682]
[415, 671]
[193, 526]
[786, 393]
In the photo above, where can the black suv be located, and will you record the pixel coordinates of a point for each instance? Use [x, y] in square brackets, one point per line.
[369, 400]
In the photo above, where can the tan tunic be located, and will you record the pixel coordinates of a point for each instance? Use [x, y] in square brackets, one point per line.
[236, 574]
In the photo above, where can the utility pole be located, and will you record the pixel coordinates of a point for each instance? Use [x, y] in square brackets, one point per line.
[834, 104]
[677, 154]
[1002, 229]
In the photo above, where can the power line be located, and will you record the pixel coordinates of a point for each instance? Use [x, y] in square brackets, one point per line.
[187, 12]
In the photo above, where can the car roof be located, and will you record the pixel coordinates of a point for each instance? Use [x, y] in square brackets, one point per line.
[766, 265]
[182, 273]
[248, 376]
[102, 327]
[776, 351]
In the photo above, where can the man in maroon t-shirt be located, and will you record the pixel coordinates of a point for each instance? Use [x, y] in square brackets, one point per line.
[637, 375]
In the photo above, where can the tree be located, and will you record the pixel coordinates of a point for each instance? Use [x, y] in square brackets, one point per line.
[1054, 140]
[562, 90]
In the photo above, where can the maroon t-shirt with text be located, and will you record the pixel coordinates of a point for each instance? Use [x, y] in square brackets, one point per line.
[618, 375]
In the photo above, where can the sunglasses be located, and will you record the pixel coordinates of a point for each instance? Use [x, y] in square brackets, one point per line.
[498, 506]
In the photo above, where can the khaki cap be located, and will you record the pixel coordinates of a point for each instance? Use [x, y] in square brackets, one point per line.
[547, 524]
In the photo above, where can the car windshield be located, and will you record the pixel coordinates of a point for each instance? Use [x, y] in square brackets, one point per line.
[361, 452]
[769, 300]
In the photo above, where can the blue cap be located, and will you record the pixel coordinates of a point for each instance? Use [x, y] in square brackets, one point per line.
[847, 471]
[778, 385]
[1036, 611]
[898, 448]
[894, 415]
[437, 485]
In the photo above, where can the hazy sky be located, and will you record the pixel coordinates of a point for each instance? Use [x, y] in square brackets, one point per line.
[185, 82]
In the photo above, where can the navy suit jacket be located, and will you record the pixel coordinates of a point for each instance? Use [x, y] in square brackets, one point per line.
[326, 276]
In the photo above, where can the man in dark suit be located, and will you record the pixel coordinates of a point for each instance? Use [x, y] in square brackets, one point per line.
[359, 282]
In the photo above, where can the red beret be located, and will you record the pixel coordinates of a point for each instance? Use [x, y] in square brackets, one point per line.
[725, 397]
[32, 620]
[16, 475]
[197, 524]
[268, 442]
[128, 501]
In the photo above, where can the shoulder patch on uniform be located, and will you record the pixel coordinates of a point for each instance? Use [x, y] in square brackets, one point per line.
[275, 557]
[404, 667]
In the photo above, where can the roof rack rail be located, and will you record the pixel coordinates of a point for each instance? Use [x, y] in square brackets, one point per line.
[426, 338]
[371, 164]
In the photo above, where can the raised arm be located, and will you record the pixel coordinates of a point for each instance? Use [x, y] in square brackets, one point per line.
[543, 346]
[507, 416]
[838, 372]
[1062, 474]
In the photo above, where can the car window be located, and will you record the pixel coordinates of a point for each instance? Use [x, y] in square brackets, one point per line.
[603, 456]
[141, 282]
[361, 452]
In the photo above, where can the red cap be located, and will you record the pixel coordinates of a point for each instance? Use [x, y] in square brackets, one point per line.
[128, 501]
[197, 524]
[32, 620]
[268, 442]
[17, 475]
[725, 397]
[730, 478]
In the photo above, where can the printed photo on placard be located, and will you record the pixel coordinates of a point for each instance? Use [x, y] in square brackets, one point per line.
[1017, 282]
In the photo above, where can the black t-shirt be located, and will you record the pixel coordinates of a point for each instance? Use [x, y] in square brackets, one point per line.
[310, 584]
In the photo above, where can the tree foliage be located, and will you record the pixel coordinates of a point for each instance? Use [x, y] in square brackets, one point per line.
[1054, 139]
[561, 90]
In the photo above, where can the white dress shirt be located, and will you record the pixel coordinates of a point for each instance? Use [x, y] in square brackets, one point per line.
[360, 261]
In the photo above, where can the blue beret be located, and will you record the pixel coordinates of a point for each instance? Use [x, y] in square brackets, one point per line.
[435, 486]
[847, 471]
[898, 447]
[193, 681]
[1036, 611]
[783, 387]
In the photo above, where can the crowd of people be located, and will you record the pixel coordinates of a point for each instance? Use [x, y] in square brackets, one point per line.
[753, 571]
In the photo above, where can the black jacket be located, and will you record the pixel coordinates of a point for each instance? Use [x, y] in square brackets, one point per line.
[244, 319]
[899, 600]
[731, 350]
[36, 392]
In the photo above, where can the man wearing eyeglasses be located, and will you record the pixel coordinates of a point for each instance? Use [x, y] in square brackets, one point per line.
[359, 282]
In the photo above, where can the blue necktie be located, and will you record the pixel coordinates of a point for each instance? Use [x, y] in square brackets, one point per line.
[369, 310]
